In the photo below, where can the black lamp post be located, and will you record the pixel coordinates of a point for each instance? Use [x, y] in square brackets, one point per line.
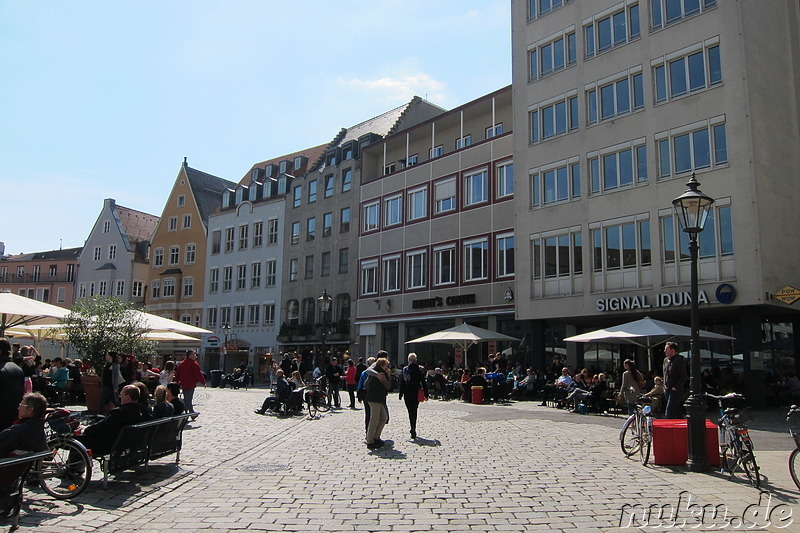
[324, 306]
[226, 328]
[692, 208]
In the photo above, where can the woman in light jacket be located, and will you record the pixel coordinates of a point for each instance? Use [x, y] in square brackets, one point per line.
[630, 388]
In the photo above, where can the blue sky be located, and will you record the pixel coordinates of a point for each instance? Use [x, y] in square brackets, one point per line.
[104, 99]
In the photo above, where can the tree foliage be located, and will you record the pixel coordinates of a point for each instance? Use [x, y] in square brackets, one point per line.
[97, 325]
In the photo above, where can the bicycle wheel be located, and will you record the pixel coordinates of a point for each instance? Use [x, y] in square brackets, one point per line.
[729, 452]
[645, 440]
[311, 404]
[794, 466]
[748, 462]
[322, 402]
[67, 473]
[629, 439]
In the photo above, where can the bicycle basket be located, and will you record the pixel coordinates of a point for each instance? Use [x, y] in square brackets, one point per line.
[63, 422]
[738, 417]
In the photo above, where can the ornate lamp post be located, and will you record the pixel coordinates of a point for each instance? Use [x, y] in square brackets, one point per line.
[692, 208]
[226, 328]
[324, 306]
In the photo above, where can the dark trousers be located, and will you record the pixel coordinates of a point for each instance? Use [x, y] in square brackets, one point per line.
[333, 393]
[351, 391]
[366, 416]
[412, 405]
[673, 409]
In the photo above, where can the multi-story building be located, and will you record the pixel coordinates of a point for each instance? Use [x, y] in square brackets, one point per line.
[45, 276]
[436, 225]
[244, 265]
[616, 105]
[177, 274]
[114, 261]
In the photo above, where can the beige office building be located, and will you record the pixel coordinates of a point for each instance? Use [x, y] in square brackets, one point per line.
[616, 105]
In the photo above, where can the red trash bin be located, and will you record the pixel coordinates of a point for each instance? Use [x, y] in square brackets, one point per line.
[671, 442]
[477, 395]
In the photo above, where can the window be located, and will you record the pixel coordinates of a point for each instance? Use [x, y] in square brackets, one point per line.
[715, 241]
[311, 228]
[216, 241]
[213, 280]
[553, 118]
[700, 68]
[243, 236]
[505, 256]
[158, 258]
[191, 253]
[173, 223]
[82, 290]
[436, 151]
[347, 179]
[327, 224]
[71, 272]
[155, 289]
[418, 204]
[412, 160]
[476, 188]
[665, 12]
[169, 287]
[106, 226]
[295, 232]
[681, 151]
[369, 277]
[272, 231]
[312, 191]
[293, 266]
[371, 217]
[42, 294]
[391, 167]
[494, 131]
[606, 32]
[391, 274]
[227, 278]
[181, 200]
[505, 179]
[187, 221]
[211, 317]
[476, 254]
[538, 8]
[174, 255]
[616, 98]
[344, 260]
[258, 234]
[253, 315]
[619, 166]
[309, 271]
[463, 142]
[416, 276]
[297, 197]
[255, 275]
[119, 287]
[188, 287]
[344, 220]
[347, 151]
[229, 236]
[445, 195]
[621, 246]
[325, 264]
[61, 295]
[98, 253]
[393, 211]
[329, 186]
[269, 314]
[556, 255]
[241, 277]
[225, 315]
[137, 289]
[112, 252]
[238, 315]
[552, 56]
[444, 264]
[272, 273]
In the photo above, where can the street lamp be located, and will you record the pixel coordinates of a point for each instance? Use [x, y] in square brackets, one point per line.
[324, 306]
[226, 328]
[692, 208]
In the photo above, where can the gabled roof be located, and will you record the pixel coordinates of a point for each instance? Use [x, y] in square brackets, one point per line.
[135, 226]
[207, 190]
[52, 255]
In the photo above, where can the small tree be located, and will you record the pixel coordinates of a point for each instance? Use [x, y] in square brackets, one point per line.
[97, 325]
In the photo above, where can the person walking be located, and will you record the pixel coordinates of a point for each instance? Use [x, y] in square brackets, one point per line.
[412, 382]
[632, 382]
[675, 378]
[378, 385]
[351, 381]
[361, 388]
[188, 374]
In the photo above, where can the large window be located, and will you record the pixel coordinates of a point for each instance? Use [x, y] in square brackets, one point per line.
[371, 219]
[476, 188]
[444, 265]
[618, 166]
[309, 270]
[271, 273]
[393, 211]
[311, 228]
[505, 255]
[696, 147]
[328, 186]
[605, 32]
[698, 68]
[297, 198]
[191, 253]
[269, 314]
[538, 8]
[327, 224]
[255, 275]
[445, 195]
[623, 245]
[325, 264]
[347, 179]
[715, 241]
[188, 287]
[227, 278]
[241, 277]
[243, 234]
[158, 258]
[295, 232]
[344, 260]
[258, 234]
[557, 254]
[229, 236]
[552, 118]
[391, 274]
[253, 315]
[272, 231]
[174, 255]
[553, 55]
[416, 275]
[665, 12]
[211, 317]
[312, 191]
[556, 182]
[216, 241]
[369, 277]
[168, 286]
[616, 98]
[213, 280]
[293, 269]
[504, 177]
[418, 203]
[476, 260]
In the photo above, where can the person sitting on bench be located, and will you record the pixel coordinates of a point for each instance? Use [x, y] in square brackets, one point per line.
[100, 436]
[282, 392]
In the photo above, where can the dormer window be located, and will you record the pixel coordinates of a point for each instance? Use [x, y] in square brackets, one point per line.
[226, 199]
[239, 195]
[253, 191]
[347, 151]
[283, 167]
[299, 161]
[283, 184]
[269, 170]
[254, 175]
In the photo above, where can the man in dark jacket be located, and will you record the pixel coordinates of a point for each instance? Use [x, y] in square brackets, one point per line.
[334, 373]
[27, 435]
[100, 437]
[378, 385]
[282, 392]
[675, 378]
[12, 385]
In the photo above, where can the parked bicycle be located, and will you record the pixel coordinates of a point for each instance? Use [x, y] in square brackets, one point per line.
[316, 398]
[735, 446]
[636, 435]
[793, 421]
[67, 471]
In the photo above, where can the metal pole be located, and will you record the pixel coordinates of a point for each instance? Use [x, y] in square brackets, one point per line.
[695, 405]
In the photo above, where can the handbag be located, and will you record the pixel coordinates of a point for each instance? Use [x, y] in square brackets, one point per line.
[421, 395]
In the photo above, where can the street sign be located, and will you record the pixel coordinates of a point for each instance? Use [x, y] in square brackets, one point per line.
[787, 295]
[210, 340]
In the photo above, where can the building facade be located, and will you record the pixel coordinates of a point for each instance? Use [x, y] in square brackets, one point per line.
[616, 105]
[45, 276]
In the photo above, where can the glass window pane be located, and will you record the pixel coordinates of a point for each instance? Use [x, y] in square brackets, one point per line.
[534, 65]
[549, 186]
[663, 158]
[690, 7]
[550, 255]
[535, 190]
[697, 72]
[628, 245]
[604, 34]
[620, 32]
[725, 230]
[644, 241]
[597, 249]
[633, 14]
[677, 77]
[563, 255]
[572, 54]
[641, 162]
[661, 83]
[623, 96]
[610, 179]
[573, 113]
[702, 149]
[548, 122]
[673, 10]
[594, 174]
[638, 91]
[613, 251]
[707, 239]
[561, 183]
[668, 239]
[714, 65]
[683, 155]
[537, 259]
[577, 253]
[626, 167]
[589, 39]
[607, 101]
[592, 98]
[655, 12]
[720, 144]
[576, 180]
[558, 54]
[547, 59]
[561, 117]
[534, 118]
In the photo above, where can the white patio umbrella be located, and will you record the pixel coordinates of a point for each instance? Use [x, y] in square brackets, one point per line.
[169, 336]
[464, 336]
[159, 323]
[18, 310]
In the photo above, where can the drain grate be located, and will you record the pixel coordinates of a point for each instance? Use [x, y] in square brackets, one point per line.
[262, 468]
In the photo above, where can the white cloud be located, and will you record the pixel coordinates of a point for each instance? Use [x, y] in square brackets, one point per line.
[399, 88]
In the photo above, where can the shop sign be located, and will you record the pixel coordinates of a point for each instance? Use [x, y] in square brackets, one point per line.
[209, 340]
[460, 299]
[787, 295]
[642, 301]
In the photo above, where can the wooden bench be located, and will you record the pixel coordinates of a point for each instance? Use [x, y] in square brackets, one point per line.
[141, 443]
[13, 474]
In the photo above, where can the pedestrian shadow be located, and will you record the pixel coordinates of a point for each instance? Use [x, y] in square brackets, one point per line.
[419, 441]
[388, 452]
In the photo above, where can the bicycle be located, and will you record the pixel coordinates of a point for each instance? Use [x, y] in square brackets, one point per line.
[68, 470]
[316, 398]
[636, 435]
[793, 421]
[735, 446]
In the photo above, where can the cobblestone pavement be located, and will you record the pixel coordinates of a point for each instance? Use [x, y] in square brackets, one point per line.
[518, 467]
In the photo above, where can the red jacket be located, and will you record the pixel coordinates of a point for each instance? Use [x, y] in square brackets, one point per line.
[188, 374]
